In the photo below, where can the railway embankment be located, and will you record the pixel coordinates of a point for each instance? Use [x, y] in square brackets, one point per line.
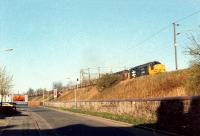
[166, 84]
[161, 85]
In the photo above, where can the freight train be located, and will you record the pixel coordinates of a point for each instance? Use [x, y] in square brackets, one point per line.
[149, 68]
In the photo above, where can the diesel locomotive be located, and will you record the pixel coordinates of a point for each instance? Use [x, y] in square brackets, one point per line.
[149, 68]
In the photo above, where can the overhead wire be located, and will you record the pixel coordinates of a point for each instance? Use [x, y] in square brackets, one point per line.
[188, 16]
[152, 35]
[164, 28]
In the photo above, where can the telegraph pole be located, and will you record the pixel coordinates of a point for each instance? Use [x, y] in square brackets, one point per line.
[89, 76]
[99, 72]
[175, 47]
[80, 80]
[48, 96]
[75, 99]
[43, 97]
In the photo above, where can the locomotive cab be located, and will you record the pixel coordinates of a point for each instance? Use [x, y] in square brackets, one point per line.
[157, 68]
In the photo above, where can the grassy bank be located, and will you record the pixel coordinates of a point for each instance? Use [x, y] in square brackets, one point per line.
[160, 85]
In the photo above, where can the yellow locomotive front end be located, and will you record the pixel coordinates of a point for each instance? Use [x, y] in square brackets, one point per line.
[157, 68]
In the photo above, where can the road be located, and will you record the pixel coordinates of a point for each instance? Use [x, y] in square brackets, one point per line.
[47, 122]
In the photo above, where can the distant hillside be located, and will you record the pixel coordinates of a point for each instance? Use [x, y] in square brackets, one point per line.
[160, 85]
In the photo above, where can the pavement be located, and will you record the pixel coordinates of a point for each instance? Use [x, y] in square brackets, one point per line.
[41, 121]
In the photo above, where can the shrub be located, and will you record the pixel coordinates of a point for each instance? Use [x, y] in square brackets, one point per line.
[106, 81]
[5, 83]
[193, 82]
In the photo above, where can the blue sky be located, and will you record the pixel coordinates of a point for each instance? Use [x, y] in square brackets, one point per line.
[54, 39]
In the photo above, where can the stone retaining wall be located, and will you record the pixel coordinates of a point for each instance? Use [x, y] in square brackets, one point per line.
[141, 108]
[145, 110]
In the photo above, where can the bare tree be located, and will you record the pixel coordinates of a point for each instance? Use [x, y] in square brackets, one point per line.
[30, 92]
[57, 85]
[193, 82]
[194, 49]
[5, 83]
[69, 84]
[39, 91]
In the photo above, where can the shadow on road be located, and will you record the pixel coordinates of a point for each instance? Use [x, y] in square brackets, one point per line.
[8, 112]
[172, 118]
[5, 127]
[72, 130]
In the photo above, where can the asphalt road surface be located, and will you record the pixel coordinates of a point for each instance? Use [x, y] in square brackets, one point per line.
[47, 122]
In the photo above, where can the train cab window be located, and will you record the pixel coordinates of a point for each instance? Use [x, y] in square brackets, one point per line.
[151, 67]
